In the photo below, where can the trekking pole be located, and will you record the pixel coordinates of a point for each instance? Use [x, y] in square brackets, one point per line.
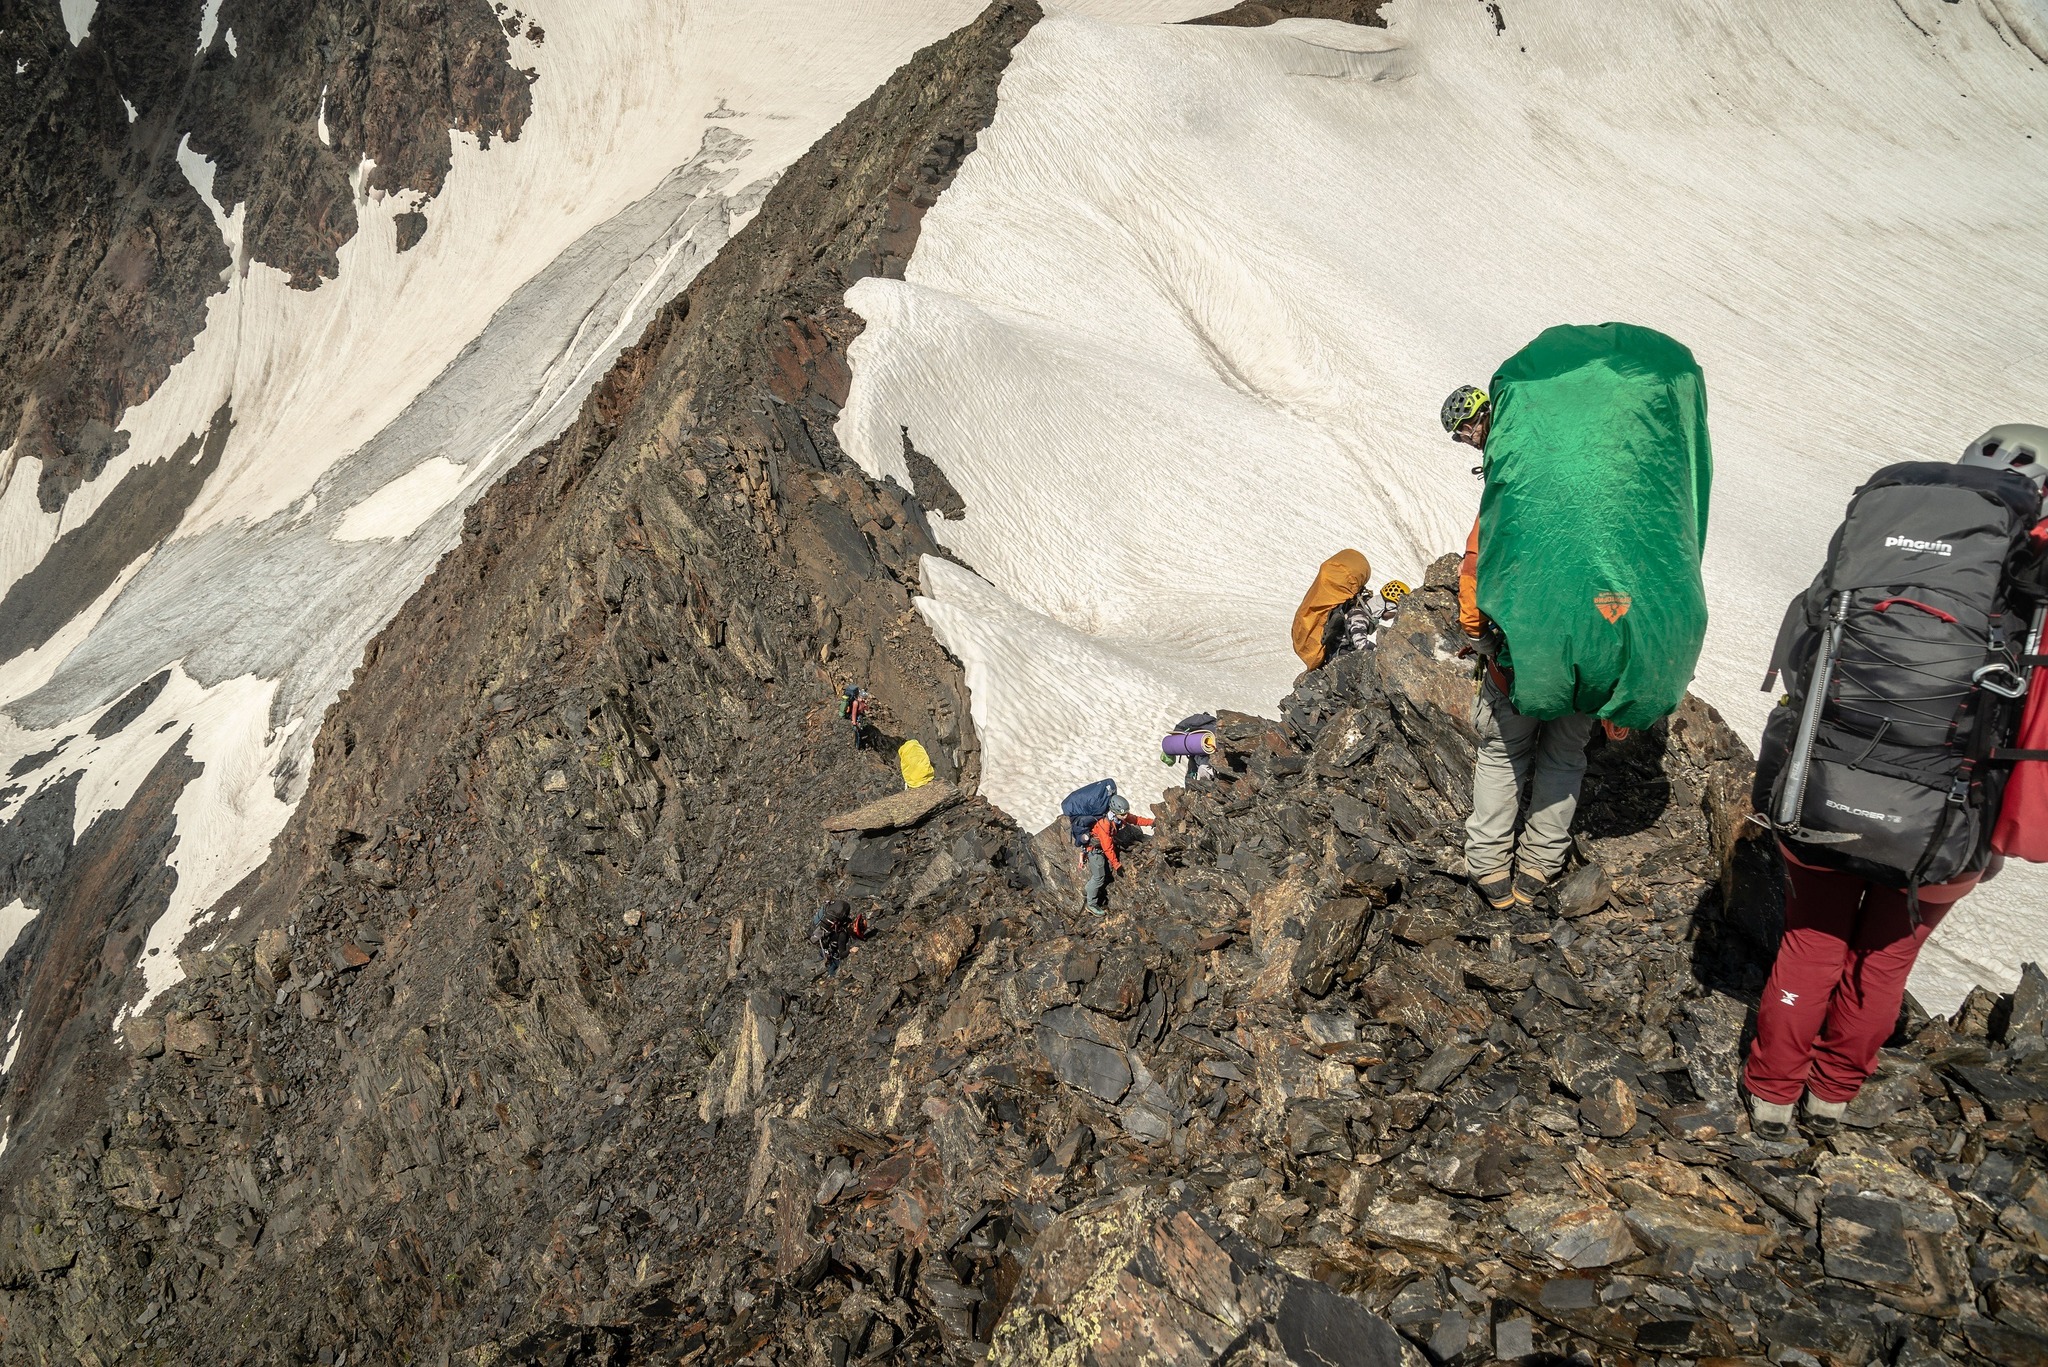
[1793, 801]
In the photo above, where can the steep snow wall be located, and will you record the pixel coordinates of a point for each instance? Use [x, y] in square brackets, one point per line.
[294, 479]
[1181, 327]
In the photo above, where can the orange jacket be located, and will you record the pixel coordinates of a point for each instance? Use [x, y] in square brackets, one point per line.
[1469, 615]
[1103, 835]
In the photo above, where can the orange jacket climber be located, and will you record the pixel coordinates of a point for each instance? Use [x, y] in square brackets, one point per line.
[1103, 835]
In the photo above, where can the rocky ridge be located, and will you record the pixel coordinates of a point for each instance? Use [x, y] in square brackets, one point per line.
[518, 1052]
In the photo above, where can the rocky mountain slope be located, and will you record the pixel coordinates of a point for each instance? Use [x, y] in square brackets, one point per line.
[515, 1050]
[111, 250]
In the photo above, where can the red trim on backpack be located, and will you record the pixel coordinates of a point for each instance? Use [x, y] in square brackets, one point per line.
[1916, 603]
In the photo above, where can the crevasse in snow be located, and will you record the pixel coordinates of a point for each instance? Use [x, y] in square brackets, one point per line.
[1181, 326]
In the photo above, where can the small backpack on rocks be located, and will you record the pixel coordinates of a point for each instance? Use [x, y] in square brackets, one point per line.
[1915, 629]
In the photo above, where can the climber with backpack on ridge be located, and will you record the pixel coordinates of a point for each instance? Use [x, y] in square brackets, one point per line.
[1097, 815]
[1580, 589]
[1339, 613]
[854, 705]
[1906, 759]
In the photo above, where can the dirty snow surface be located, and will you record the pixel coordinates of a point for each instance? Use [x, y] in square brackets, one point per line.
[1181, 327]
[367, 414]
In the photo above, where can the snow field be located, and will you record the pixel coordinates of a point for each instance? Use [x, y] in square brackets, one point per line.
[1181, 326]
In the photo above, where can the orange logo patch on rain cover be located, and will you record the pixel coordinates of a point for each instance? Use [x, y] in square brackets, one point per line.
[1613, 606]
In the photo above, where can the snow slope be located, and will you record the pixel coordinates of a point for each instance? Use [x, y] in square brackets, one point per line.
[368, 413]
[1180, 328]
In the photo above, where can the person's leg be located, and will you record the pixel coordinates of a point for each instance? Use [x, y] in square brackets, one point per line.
[1098, 880]
[1865, 1006]
[1821, 909]
[1506, 742]
[1560, 768]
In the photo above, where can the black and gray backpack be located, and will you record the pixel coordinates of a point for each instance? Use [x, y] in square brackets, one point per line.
[1910, 645]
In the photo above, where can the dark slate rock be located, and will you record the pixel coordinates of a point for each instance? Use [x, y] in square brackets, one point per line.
[1609, 1109]
[1666, 1336]
[2007, 1346]
[1318, 1326]
[1442, 1066]
[1453, 1335]
[1583, 892]
[1560, 989]
[132, 705]
[1334, 932]
[1863, 1238]
[1514, 1339]
[873, 860]
[2029, 1015]
[1095, 1068]
[1570, 1293]
[1118, 989]
[1352, 817]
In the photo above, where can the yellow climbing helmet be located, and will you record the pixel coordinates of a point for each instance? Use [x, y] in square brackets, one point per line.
[1394, 590]
[1466, 402]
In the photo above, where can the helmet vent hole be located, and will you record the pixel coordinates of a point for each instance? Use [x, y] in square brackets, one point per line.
[1990, 449]
[2023, 458]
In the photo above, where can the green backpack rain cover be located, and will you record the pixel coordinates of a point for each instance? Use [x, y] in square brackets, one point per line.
[1593, 520]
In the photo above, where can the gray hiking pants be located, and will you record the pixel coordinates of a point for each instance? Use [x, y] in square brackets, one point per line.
[1548, 758]
[1098, 879]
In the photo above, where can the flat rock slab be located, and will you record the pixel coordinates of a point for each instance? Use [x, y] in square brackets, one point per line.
[898, 810]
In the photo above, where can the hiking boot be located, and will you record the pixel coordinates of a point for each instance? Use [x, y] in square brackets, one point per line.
[1823, 1118]
[1770, 1120]
[1529, 885]
[1496, 889]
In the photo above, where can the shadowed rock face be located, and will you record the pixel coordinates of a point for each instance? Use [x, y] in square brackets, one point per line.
[107, 253]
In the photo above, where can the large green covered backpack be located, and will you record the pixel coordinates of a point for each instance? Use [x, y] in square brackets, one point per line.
[1593, 520]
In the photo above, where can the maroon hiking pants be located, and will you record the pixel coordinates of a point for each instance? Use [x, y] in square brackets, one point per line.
[1834, 993]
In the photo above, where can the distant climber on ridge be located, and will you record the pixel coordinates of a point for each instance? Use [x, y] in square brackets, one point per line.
[1196, 745]
[854, 704]
[834, 929]
[1580, 588]
[1097, 818]
[1338, 613]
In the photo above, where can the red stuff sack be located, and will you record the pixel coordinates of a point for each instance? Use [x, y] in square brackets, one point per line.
[2022, 829]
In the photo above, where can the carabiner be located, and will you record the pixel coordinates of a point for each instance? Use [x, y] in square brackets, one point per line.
[2016, 688]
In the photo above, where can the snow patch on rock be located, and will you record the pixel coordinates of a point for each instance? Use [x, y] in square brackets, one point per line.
[78, 18]
[14, 918]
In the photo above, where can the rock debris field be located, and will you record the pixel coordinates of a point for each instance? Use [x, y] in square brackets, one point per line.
[1296, 1099]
